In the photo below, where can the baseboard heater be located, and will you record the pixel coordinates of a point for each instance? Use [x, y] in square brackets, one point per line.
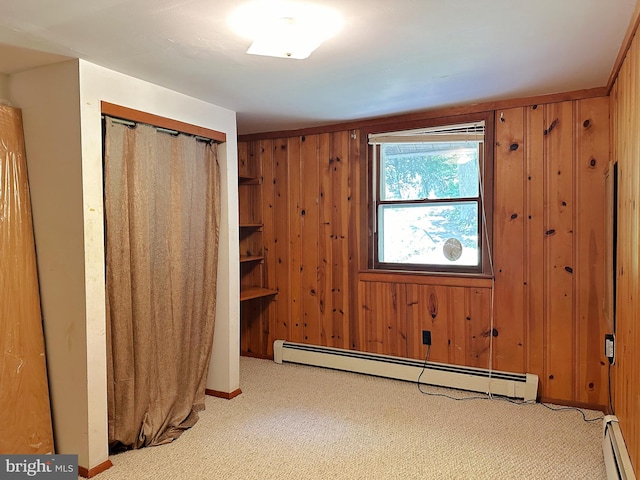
[514, 385]
[616, 456]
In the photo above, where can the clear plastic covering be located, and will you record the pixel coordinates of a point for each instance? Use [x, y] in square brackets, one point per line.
[25, 414]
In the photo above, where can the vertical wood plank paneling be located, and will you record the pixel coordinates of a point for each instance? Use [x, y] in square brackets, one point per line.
[371, 318]
[591, 125]
[309, 219]
[625, 139]
[366, 313]
[633, 270]
[325, 242]
[364, 169]
[615, 138]
[243, 155]
[339, 170]
[458, 318]
[509, 254]
[356, 216]
[383, 315]
[400, 334]
[628, 245]
[281, 241]
[631, 267]
[626, 145]
[535, 299]
[626, 268]
[269, 238]
[456, 313]
[559, 251]
[417, 320]
[295, 240]
[427, 310]
[477, 326]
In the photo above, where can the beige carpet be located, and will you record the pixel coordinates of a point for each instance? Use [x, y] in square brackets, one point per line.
[297, 422]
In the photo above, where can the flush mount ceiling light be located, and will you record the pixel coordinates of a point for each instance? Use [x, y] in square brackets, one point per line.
[286, 29]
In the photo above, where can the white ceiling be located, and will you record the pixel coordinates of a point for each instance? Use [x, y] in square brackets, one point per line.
[392, 56]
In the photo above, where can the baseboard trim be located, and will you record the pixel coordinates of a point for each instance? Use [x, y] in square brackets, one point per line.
[225, 395]
[256, 355]
[569, 403]
[92, 472]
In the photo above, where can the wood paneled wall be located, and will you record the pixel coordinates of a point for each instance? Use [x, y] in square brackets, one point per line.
[625, 113]
[549, 192]
[395, 309]
[550, 247]
[310, 211]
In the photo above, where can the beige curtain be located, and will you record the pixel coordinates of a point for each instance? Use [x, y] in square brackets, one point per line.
[162, 211]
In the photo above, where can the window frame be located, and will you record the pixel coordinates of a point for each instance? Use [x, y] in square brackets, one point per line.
[486, 197]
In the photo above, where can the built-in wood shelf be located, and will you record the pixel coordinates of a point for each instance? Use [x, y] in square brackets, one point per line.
[245, 180]
[251, 258]
[249, 293]
[250, 225]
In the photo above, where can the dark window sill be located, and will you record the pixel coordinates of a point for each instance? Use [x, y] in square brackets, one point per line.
[427, 278]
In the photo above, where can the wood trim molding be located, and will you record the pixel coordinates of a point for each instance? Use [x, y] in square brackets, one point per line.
[158, 121]
[424, 279]
[257, 355]
[488, 117]
[435, 113]
[92, 472]
[225, 395]
[624, 48]
[555, 403]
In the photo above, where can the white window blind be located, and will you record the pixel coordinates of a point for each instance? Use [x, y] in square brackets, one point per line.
[467, 132]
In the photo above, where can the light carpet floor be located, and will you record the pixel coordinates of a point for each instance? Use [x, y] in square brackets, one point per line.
[299, 422]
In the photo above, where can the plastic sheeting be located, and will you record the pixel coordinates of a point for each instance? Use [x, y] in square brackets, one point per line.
[25, 414]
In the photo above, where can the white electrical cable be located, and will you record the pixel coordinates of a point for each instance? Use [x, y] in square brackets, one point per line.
[493, 279]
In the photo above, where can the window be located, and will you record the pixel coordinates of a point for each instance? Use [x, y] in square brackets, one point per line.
[429, 205]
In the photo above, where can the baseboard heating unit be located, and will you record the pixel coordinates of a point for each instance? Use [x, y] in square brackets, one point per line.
[514, 385]
[616, 456]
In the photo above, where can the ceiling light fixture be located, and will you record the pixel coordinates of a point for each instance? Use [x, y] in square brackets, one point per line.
[286, 29]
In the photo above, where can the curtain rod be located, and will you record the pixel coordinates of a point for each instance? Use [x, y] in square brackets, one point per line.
[120, 121]
[174, 133]
[131, 124]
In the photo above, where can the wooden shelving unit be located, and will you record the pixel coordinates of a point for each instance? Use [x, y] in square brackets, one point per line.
[249, 293]
[252, 261]
[251, 258]
[247, 180]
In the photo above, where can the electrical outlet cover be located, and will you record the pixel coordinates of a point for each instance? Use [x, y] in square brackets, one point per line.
[610, 347]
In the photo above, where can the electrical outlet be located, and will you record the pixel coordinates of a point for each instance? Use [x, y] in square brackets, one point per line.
[426, 337]
[610, 347]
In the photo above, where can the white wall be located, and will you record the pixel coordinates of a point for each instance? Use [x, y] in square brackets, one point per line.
[91, 85]
[4, 87]
[50, 104]
[100, 84]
